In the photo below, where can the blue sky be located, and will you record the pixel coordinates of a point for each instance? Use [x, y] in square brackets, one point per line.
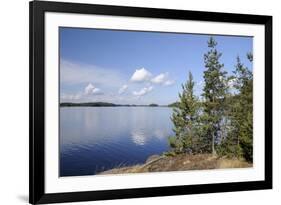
[129, 67]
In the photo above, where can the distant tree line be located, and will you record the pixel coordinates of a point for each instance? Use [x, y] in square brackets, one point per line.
[103, 104]
[221, 121]
[87, 104]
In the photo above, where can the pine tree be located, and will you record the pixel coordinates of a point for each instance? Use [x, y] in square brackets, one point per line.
[238, 142]
[214, 94]
[243, 108]
[222, 122]
[184, 118]
[230, 145]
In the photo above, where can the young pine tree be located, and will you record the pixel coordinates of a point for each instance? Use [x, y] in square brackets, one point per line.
[214, 94]
[184, 118]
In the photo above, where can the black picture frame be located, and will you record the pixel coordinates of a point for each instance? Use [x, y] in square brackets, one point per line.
[37, 194]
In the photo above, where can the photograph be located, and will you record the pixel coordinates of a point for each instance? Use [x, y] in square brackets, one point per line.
[149, 101]
[132, 102]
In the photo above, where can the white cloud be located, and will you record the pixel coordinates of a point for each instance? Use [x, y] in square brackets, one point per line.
[105, 81]
[70, 97]
[141, 75]
[76, 73]
[123, 89]
[96, 91]
[169, 82]
[163, 79]
[143, 91]
[91, 89]
[159, 79]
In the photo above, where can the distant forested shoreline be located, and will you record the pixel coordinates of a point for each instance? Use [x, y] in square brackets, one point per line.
[106, 104]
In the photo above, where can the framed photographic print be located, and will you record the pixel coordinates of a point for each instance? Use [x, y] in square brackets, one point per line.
[140, 102]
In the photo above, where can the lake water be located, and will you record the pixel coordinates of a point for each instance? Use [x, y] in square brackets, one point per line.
[95, 139]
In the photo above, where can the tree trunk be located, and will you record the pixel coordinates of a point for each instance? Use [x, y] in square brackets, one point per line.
[213, 145]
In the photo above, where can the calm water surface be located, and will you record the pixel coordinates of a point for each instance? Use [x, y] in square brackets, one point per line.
[95, 139]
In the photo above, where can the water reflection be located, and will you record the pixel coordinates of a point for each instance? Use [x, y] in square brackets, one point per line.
[139, 137]
[93, 139]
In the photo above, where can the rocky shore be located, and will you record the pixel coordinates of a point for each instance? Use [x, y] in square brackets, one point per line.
[181, 162]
